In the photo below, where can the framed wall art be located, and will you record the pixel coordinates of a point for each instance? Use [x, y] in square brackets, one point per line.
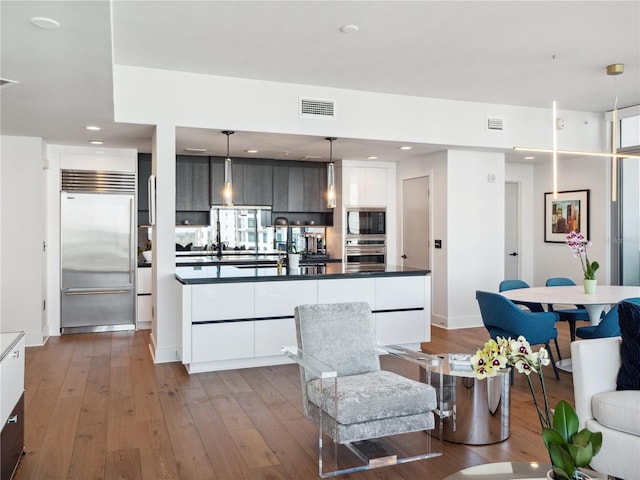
[565, 214]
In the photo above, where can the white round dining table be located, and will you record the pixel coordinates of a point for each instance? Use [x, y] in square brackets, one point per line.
[574, 295]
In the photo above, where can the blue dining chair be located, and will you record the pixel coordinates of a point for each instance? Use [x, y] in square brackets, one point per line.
[570, 315]
[608, 326]
[532, 306]
[515, 284]
[502, 318]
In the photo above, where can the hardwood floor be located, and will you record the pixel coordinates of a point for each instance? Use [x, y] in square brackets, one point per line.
[98, 408]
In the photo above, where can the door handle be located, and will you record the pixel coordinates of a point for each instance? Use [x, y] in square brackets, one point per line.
[403, 256]
[513, 254]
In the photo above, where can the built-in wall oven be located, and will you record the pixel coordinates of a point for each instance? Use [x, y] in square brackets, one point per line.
[365, 239]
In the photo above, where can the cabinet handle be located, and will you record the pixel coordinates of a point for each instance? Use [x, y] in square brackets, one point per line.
[15, 354]
[13, 419]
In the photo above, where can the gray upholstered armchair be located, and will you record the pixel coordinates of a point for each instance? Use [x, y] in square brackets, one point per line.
[353, 401]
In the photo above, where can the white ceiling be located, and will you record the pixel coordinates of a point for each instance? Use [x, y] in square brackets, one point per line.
[522, 53]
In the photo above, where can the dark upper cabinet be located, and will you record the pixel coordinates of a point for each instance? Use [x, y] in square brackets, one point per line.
[192, 183]
[252, 182]
[216, 181]
[280, 188]
[315, 188]
[200, 184]
[306, 189]
[257, 184]
[287, 186]
[144, 172]
[296, 189]
[237, 174]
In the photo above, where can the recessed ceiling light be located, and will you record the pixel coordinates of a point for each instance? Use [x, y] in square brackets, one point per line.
[46, 23]
[93, 128]
[406, 147]
[96, 142]
[195, 150]
[372, 157]
[349, 28]
[529, 158]
[252, 151]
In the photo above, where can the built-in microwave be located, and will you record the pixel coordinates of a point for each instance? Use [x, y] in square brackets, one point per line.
[366, 221]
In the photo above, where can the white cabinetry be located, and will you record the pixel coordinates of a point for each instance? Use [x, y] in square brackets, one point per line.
[245, 324]
[212, 342]
[400, 306]
[222, 301]
[272, 335]
[144, 298]
[278, 299]
[11, 401]
[365, 186]
[347, 290]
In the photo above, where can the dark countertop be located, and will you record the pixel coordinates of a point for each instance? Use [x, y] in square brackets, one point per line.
[268, 273]
[206, 260]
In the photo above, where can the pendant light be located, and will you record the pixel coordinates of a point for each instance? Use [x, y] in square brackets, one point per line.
[331, 176]
[613, 71]
[227, 189]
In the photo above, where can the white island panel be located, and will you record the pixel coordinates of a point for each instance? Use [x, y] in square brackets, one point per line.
[222, 301]
[214, 342]
[272, 335]
[401, 328]
[347, 290]
[400, 292]
[279, 299]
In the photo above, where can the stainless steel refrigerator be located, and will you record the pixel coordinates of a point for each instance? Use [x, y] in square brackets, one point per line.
[97, 257]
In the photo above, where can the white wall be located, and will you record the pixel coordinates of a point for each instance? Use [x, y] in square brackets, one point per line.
[468, 217]
[157, 97]
[475, 224]
[22, 236]
[435, 166]
[555, 259]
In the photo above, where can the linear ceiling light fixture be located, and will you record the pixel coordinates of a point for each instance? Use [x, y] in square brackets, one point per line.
[227, 190]
[554, 112]
[612, 70]
[331, 176]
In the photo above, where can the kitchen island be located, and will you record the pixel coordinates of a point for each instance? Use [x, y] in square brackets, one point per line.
[240, 316]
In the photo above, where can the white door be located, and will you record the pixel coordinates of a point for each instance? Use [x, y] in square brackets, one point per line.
[415, 223]
[511, 232]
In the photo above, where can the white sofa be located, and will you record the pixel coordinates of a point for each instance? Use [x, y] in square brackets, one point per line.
[603, 409]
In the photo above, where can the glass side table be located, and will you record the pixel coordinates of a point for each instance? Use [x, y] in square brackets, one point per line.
[474, 411]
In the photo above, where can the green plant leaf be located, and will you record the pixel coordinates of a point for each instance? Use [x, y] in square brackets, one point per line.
[582, 438]
[565, 420]
[596, 442]
[560, 474]
[561, 459]
[581, 455]
[550, 436]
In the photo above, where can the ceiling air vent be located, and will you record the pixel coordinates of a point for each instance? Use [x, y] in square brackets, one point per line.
[495, 124]
[314, 108]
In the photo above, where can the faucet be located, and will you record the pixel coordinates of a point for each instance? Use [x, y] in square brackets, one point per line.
[219, 240]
